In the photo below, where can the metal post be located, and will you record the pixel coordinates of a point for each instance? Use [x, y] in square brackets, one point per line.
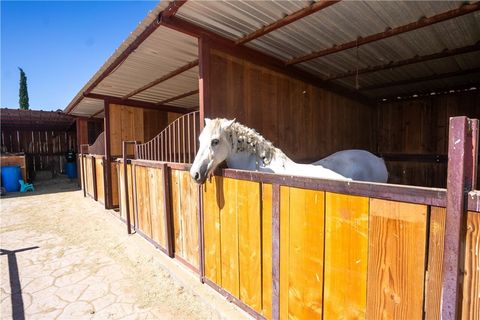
[168, 212]
[460, 175]
[125, 183]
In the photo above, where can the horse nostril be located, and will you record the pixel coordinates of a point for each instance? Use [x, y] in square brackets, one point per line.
[197, 176]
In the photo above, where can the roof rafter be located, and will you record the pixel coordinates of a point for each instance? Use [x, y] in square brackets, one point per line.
[272, 62]
[395, 64]
[136, 103]
[170, 75]
[297, 15]
[465, 89]
[464, 9]
[183, 95]
[421, 79]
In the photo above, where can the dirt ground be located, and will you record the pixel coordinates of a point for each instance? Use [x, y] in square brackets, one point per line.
[74, 260]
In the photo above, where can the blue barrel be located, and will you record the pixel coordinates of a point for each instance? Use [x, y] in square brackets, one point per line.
[10, 177]
[71, 170]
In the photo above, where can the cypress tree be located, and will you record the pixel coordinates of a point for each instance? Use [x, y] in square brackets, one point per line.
[23, 92]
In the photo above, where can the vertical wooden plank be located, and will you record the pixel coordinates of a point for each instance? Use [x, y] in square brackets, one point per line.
[229, 235]
[143, 202]
[114, 172]
[190, 218]
[433, 283]
[100, 175]
[267, 250]
[284, 252]
[346, 254]
[307, 209]
[213, 265]
[177, 214]
[396, 260]
[157, 210]
[249, 233]
[471, 280]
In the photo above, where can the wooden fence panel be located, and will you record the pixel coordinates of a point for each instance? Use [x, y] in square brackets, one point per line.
[142, 193]
[89, 176]
[123, 211]
[185, 216]
[250, 249]
[305, 246]
[114, 184]
[471, 281]
[267, 250]
[213, 263]
[227, 194]
[396, 260]
[157, 205]
[433, 285]
[346, 254]
[99, 174]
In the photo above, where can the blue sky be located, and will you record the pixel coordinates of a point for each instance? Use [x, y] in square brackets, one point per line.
[60, 45]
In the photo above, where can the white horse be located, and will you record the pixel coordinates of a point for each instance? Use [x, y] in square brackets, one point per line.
[245, 149]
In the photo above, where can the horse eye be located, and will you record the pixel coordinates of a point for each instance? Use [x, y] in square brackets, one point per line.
[215, 142]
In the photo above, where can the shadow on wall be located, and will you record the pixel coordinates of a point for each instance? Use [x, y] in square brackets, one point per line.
[18, 311]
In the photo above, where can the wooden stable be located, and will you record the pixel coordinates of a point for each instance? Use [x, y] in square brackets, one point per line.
[288, 247]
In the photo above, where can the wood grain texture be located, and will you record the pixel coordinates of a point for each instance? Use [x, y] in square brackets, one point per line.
[114, 184]
[296, 109]
[396, 260]
[143, 200]
[227, 194]
[213, 265]
[471, 280]
[122, 195]
[89, 175]
[100, 179]
[156, 205]
[267, 250]
[433, 283]
[284, 250]
[346, 254]
[185, 216]
[306, 246]
[250, 250]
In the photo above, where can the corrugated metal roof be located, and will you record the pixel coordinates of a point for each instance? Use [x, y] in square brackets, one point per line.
[166, 50]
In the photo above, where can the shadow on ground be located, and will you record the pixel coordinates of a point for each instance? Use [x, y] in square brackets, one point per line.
[60, 183]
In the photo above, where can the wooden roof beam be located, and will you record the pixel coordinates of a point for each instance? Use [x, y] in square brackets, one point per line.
[172, 8]
[170, 75]
[297, 15]
[395, 64]
[464, 9]
[421, 79]
[463, 89]
[181, 96]
[136, 103]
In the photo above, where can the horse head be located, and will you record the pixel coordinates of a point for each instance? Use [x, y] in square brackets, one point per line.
[214, 148]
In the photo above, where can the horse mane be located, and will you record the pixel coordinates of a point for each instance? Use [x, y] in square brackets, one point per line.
[244, 139]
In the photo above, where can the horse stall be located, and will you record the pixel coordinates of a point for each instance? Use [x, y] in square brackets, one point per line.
[284, 246]
[37, 141]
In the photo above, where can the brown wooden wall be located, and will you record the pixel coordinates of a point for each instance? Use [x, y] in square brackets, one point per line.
[420, 127]
[306, 122]
[132, 123]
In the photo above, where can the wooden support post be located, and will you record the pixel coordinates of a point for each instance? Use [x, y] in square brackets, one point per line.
[461, 168]
[169, 233]
[125, 184]
[82, 163]
[94, 178]
[108, 159]
[275, 251]
[204, 57]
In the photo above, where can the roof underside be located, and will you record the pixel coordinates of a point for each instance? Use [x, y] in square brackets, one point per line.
[428, 59]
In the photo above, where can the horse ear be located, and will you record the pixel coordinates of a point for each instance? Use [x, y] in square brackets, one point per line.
[207, 121]
[227, 124]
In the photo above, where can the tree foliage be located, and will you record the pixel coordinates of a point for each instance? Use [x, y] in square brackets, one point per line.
[23, 92]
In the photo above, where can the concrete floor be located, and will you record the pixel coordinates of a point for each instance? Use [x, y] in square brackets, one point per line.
[64, 257]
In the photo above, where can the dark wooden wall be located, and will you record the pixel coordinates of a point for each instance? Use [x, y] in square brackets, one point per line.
[418, 130]
[306, 122]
